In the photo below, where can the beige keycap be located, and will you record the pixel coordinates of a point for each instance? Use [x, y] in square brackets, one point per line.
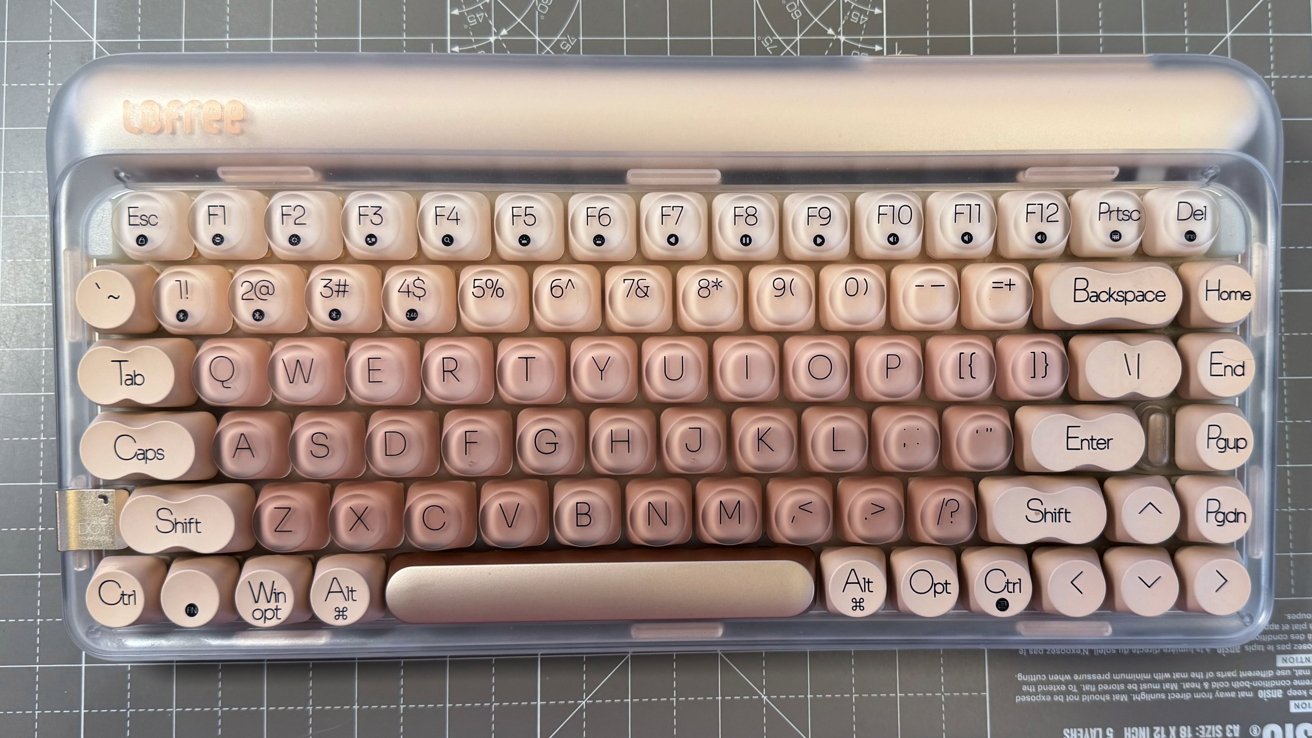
[1141, 579]
[441, 515]
[925, 580]
[1030, 367]
[269, 298]
[976, 438]
[816, 226]
[125, 591]
[494, 299]
[622, 442]
[746, 227]
[229, 224]
[550, 441]
[1179, 222]
[800, 511]
[854, 580]
[117, 299]
[292, 516]
[586, 512]
[781, 298]
[1214, 579]
[765, 440]
[835, 440]
[380, 225]
[1073, 295]
[888, 368]
[904, 439]
[961, 225]
[455, 226]
[383, 371]
[853, 297]
[674, 226]
[746, 368]
[674, 369]
[639, 299]
[531, 371]
[996, 580]
[304, 226]
[728, 511]
[1211, 438]
[367, 516]
[941, 510]
[870, 509]
[1060, 438]
[1122, 366]
[889, 225]
[1069, 579]
[567, 298]
[710, 298]
[151, 372]
[995, 297]
[345, 298]
[1214, 509]
[1032, 224]
[403, 443]
[233, 372]
[923, 297]
[603, 369]
[193, 300]
[1217, 366]
[1217, 294]
[274, 590]
[164, 446]
[477, 443]
[458, 371]
[200, 590]
[959, 368]
[602, 227]
[658, 512]
[1105, 223]
[420, 299]
[205, 519]
[816, 369]
[328, 445]
[348, 588]
[151, 226]
[1140, 509]
[253, 445]
[1022, 510]
[308, 371]
[530, 226]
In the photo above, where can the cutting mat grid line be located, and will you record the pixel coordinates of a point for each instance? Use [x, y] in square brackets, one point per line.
[48, 687]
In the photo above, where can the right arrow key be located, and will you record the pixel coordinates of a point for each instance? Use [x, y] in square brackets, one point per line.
[1215, 579]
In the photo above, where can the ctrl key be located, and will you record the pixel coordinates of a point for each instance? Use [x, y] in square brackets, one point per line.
[125, 591]
[274, 590]
[925, 579]
[854, 580]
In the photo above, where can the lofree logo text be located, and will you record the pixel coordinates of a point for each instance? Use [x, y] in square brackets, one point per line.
[187, 117]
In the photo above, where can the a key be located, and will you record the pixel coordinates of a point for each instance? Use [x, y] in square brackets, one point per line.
[1060, 438]
[602, 227]
[1141, 580]
[530, 226]
[1032, 224]
[746, 227]
[305, 226]
[1023, 510]
[494, 299]
[348, 588]
[854, 580]
[923, 297]
[1069, 579]
[229, 224]
[152, 372]
[1211, 438]
[200, 591]
[1122, 366]
[164, 446]
[639, 299]
[924, 580]
[853, 297]
[419, 299]
[674, 226]
[202, 519]
[816, 226]
[151, 225]
[253, 445]
[1179, 222]
[710, 298]
[345, 298]
[1105, 223]
[1213, 509]
[117, 299]
[1077, 295]
[996, 580]
[567, 298]
[193, 300]
[961, 225]
[889, 225]
[125, 590]
[380, 225]
[274, 590]
[781, 298]
[1217, 294]
[455, 226]
[1217, 366]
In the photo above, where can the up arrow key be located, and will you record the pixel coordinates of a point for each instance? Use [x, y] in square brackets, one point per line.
[1154, 508]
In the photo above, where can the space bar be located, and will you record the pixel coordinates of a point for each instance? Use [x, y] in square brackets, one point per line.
[637, 584]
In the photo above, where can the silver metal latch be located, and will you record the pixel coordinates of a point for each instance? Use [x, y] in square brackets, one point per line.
[88, 519]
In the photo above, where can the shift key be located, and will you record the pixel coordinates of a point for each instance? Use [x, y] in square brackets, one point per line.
[1060, 438]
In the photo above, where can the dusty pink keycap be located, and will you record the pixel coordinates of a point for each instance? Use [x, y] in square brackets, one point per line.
[125, 590]
[924, 580]
[1069, 580]
[622, 442]
[232, 372]
[870, 509]
[799, 511]
[328, 445]
[367, 516]
[997, 580]
[403, 443]
[193, 518]
[1141, 579]
[586, 512]
[940, 509]
[1213, 509]
[1021, 510]
[309, 371]
[728, 511]
[199, 591]
[531, 371]
[976, 438]
[603, 369]
[693, 440]
[253, 444]
[746, 368]
[835, 439]
[674, 369]
[550, 441]
[348, 588]
[1030, 367]
[904, 438]
[477, 443]
[958, 368]
[514, 514]
[1140, 509]
[274, 590]
[1214, 579]
[458, 371]
[816, 369]
[853, 580]
[765, 440]
[658, 512]
[292, 516]
[441, 515]
[888, 368]
[383, 371]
